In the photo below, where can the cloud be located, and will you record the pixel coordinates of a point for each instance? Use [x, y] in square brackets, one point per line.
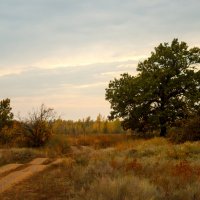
[67, 106]
[91, 85]
[52, 51]
[73, 32]
[66, 88]
[35, 81]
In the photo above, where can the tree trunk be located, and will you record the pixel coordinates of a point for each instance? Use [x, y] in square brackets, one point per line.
[163, 126]
[163, 131]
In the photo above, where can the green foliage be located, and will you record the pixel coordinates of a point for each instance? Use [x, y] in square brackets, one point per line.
[167, 88]
[6, 116]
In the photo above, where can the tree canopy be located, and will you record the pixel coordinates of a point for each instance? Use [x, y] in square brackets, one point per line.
[6, 115]
[166, 88]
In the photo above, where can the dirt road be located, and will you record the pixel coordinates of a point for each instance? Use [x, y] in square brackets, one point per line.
[13, 174]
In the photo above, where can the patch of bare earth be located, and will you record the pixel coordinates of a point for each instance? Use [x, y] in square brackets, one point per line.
[13, 174]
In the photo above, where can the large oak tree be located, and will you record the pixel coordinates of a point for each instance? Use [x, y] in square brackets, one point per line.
[166, 88]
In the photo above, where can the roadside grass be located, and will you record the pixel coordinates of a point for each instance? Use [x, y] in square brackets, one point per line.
[121, 170]
[18, 155]
[57, 147]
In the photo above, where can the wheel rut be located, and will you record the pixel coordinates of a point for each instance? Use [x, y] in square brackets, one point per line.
[12, 174]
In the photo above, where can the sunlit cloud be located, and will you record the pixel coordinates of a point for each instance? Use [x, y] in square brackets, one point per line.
[66, 106]
[8, 71]
[117, 74]
[88, 56]
[91, 85]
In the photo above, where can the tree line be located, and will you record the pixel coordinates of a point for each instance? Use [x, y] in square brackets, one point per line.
[40, 124]
[100, 125]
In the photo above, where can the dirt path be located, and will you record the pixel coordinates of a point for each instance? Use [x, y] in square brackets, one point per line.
[9, 167]
[17, 175]
[13, 174]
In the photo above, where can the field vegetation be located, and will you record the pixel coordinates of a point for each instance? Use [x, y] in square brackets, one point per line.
[103, 166]
[124, 168]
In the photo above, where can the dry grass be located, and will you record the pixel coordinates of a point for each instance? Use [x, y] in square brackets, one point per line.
[97, 141]
[126, 169]
[57, 147]
[17, 155]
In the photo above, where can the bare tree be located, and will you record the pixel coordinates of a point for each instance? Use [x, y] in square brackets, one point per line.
[38, 126]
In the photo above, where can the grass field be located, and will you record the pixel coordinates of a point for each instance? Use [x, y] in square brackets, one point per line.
[111, 167]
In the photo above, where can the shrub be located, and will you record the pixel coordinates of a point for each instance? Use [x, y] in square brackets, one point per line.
[13, 135]
[122, 189]
[192, 128]
[188, 130]
[182, 170]
[7, 135]
[38, 127]
[177, 135]
[37, 133]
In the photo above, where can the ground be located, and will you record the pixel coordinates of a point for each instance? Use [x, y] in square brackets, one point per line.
[110, 168]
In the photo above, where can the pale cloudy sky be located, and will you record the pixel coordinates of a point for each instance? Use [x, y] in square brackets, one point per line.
[64, 52]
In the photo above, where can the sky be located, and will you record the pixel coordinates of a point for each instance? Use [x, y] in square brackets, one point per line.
[63, 53]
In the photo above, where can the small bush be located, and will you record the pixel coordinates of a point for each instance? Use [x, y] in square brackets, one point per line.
[7, 135]
[186, 131]
[38, 126]
[192, 128]
[122, 189]
[37, 133]
[182, 169]
[177, 135]
[13, 136]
